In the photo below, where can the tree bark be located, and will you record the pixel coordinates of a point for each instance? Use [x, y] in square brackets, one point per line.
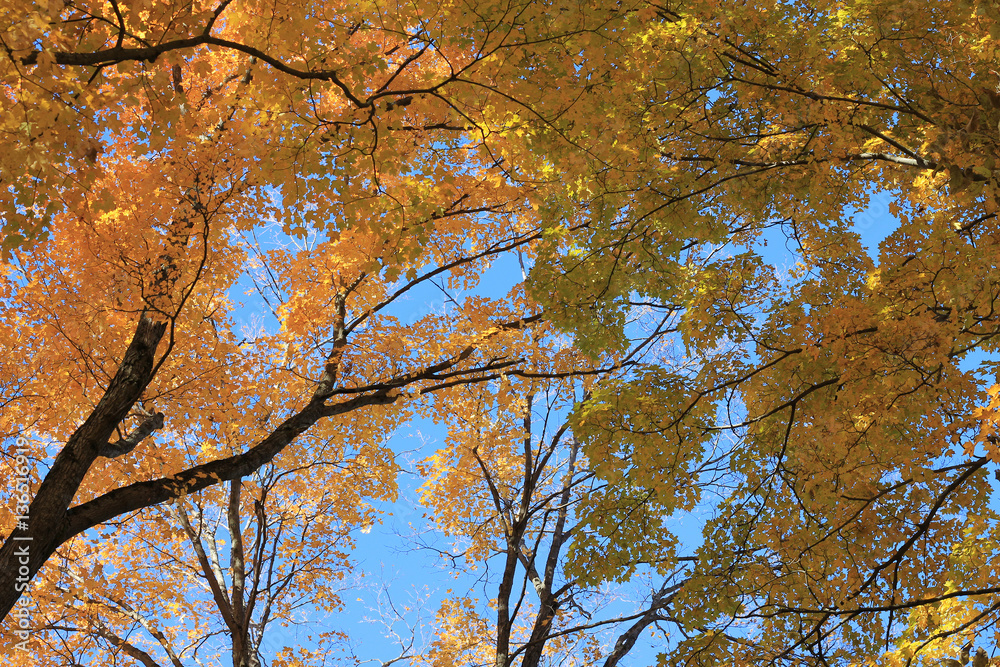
[37, 536]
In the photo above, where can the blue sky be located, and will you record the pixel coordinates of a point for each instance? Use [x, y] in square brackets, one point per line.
[397, 573]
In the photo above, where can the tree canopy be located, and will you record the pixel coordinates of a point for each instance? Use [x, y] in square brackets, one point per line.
[704, 416]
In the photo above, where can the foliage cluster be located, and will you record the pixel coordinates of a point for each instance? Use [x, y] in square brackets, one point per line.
[828, 430]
